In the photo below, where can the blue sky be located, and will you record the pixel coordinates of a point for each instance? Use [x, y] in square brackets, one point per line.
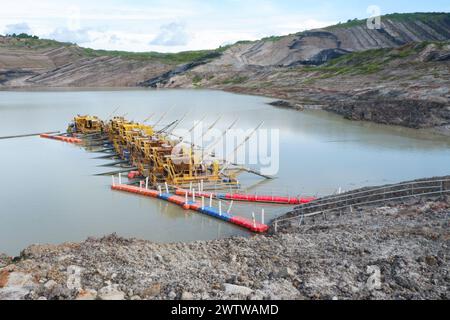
[177, 25]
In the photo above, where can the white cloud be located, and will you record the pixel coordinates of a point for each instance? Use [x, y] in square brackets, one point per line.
[64, 34]
[172, 34]
[18, 28]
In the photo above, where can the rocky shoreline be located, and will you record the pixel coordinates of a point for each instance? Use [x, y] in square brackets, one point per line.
[399, 251]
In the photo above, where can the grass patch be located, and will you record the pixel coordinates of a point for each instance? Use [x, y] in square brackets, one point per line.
[197, 79]
[273, 38]
[235, 80]
[168, 58]
[401, 17]
[35, 43]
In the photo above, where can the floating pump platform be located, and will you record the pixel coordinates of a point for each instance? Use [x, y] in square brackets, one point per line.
[151, 155]
[187, 204]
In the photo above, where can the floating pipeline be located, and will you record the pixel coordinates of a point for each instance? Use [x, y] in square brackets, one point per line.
[250, 198]
[195, 206]
[61, 138]
[136, 190]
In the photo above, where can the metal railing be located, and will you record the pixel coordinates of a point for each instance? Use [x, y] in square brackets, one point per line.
[370, 196]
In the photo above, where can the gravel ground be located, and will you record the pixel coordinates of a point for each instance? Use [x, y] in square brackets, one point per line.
[395, 252]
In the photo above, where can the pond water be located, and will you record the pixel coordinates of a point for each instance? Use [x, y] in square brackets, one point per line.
[48, 193]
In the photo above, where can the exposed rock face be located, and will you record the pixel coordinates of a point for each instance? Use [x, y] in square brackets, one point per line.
[98, 72]
[163, 79]
[319, 46]
[69, 66]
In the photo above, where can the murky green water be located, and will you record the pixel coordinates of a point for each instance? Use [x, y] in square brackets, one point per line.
[48, 193]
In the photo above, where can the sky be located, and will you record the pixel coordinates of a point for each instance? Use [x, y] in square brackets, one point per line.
[180, 25]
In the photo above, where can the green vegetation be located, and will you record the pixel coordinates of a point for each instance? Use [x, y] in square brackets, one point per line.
[428, 16]
[366, 62]
[34, 42]
[402, 17]
[273, 38]
[222, 49]
[348, 24]
[168, 58]
[363, 63]
[235, 80]
[196, 80]
[22, 36]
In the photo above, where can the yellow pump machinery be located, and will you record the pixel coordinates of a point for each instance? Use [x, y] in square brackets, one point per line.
[86, 125]
[156, 155]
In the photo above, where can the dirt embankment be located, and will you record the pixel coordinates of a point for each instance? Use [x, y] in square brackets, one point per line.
[398, 251]
[62, 65]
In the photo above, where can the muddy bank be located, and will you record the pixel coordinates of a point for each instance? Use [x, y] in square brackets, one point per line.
[395, 252]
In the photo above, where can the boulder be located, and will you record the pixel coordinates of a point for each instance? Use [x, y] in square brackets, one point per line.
[4, 260]
[286, 272]
[111, 292]
[374, 281]
[49, 285]
[74, 277]
[187, 296]
[152, 291]
[87, 295]
[15, 285]
[233, 289]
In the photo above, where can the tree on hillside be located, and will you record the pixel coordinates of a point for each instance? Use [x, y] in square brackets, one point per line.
[22, 36]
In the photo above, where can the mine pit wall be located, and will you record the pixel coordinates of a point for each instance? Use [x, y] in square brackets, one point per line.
[409, 113]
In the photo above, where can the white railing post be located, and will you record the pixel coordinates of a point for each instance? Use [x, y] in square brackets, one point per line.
[120, 178]
[229, 208]
[193, 195]
[262, 216]
[146, 183]
[160, 190]
[113, 182]
[210, 200]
